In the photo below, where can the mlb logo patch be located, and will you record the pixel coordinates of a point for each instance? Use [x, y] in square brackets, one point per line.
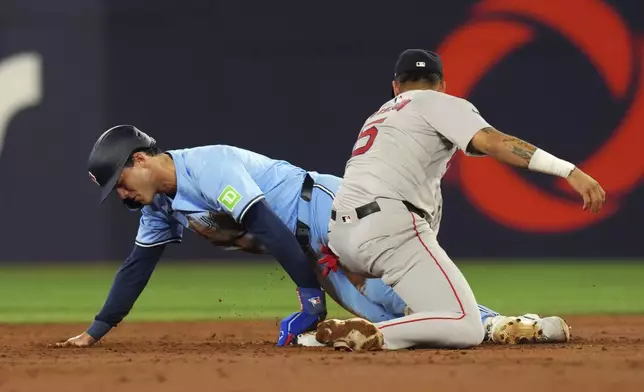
[420, 64]
[346, 219]
[315, 301]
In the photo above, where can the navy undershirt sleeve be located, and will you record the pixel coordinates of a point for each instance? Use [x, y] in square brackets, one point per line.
[266, 226]
[130, 280]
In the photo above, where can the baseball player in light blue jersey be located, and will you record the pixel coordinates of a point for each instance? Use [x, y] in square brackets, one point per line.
[237, 199]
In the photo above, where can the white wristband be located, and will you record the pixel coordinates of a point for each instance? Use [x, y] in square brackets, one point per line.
[546, 163]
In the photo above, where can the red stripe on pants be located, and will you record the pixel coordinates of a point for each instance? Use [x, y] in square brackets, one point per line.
[460, 304]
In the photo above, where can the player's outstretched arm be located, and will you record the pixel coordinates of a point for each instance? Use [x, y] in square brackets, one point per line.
[516, 152]
[129, 282]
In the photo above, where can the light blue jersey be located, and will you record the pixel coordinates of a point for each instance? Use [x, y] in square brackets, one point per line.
[214, 179]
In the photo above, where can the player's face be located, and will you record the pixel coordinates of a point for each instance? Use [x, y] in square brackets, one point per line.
[137, 182]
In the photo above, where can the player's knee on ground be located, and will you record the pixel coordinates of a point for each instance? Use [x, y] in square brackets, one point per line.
[470, 332]
[433, 330]
[464, 333]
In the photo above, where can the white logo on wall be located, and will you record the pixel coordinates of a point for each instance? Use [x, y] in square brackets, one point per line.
[20, 87]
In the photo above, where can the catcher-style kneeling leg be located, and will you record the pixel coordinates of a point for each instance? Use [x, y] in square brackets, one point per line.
[399, 246]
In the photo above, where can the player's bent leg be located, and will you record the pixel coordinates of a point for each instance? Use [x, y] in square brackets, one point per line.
[445, 312]
[498, 329]
[379, 293]
[384, 295]
[350, 298]
[399, 247]
[376, 299]
[452, 324]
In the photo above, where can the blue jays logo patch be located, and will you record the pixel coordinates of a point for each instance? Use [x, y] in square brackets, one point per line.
[315, 301]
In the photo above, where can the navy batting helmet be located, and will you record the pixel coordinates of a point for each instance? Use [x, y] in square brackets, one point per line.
[110, 153]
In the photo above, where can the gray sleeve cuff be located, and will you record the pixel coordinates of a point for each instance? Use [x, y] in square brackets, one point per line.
[98, 329]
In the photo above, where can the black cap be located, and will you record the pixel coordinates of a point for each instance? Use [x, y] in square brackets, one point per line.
[418, 60]
[110, 153]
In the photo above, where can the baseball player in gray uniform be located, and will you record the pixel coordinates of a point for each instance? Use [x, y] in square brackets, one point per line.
[387, 211]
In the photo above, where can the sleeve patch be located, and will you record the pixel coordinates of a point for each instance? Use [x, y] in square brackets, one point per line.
[229, 197]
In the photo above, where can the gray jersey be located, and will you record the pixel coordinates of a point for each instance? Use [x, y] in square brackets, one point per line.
[403, 150]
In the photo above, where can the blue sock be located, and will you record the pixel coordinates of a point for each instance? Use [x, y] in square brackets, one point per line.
[486, 312]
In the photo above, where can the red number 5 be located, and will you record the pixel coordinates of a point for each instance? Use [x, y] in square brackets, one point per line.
[369, 133]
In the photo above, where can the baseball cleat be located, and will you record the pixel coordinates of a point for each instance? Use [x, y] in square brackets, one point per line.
[354, 334]
[529, 328]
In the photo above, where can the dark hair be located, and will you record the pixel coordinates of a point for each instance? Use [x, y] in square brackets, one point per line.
[150, 151]
[419, 76]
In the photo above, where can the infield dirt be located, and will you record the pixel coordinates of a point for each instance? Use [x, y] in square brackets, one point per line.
[606, 354]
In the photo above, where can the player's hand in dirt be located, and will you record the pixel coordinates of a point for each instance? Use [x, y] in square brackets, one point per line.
[593, 194]
[82, 340]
